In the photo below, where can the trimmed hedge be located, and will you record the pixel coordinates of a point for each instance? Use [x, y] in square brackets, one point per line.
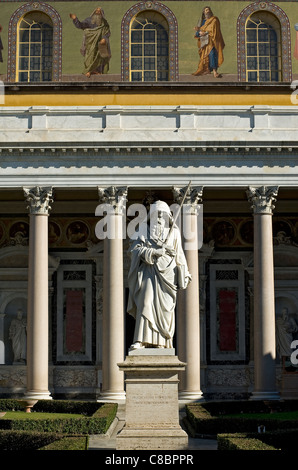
[68, 443]
[240, 442]
[25, 440]
[55, 434]
[284, 439]
[98, 423]
[53, 406]
[236, 433]
[203, 422]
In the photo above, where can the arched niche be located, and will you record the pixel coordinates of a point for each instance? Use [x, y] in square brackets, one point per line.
[13, 26]
[285, 37]
[172, 27]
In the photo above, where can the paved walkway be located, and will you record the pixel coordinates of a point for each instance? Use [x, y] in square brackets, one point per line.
[108, 441]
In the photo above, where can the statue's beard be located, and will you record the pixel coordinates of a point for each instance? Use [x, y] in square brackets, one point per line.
[96, 19]
[158, 231]
[208, 15]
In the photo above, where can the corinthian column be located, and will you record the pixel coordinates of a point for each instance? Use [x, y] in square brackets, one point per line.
[262, 199]
[113, 294]
[39, 200]
[188, 305]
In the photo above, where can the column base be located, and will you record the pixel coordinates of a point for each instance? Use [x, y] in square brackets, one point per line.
[112, 397]
[31, 398]
[265, 396]
[31, 395]
[185, 396]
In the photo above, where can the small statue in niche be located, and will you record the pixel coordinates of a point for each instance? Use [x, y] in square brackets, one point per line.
[18, 336]
[286, 327]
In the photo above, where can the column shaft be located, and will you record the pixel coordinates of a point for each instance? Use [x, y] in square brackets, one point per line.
[188, 305]
[37, 314]
[113, 316]
[264, 303]
[113, 296]
[37, 329]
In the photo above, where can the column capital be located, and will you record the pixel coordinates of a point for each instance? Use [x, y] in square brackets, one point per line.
[193, 197]
[262, 198]
[114, 196]
[39, 199]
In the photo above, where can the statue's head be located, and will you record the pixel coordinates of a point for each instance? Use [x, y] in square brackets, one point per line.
[284, 312]
[207, 12]
[19, 313]
[160, 218]
[97, 16]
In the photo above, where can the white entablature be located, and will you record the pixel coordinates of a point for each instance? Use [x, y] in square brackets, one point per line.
[148, 145]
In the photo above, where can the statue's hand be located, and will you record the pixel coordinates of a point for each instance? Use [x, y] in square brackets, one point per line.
[159, 252]
[73, 16]
[103, 41]
[170, 251]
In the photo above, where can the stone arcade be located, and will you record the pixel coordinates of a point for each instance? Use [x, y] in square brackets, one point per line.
[81, 293]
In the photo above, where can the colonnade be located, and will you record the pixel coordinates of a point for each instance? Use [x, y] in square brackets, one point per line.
[188, 324]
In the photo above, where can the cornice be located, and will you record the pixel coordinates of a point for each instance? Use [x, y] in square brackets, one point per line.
[266, 149]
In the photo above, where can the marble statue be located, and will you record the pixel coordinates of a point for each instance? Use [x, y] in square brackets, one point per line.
[17, 334]
[285, 328]
[158, 268]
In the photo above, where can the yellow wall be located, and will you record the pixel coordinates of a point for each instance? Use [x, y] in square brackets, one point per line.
[151, 98]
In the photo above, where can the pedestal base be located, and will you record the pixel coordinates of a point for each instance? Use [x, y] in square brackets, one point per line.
[289, 386]
[265, 396]
[152, 407]
[152, 439]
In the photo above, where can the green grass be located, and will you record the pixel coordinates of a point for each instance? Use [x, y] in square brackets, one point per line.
[36, 415]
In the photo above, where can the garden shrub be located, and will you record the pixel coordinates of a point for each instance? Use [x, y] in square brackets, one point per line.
[241, 442]
[32, 434]
[25, 440]
[203, 422]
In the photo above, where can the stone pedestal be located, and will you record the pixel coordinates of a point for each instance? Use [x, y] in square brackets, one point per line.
[152, 409]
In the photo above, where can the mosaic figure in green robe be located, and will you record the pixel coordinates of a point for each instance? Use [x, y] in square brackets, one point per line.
[96, 45]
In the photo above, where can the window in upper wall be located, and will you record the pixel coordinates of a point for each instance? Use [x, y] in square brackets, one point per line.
[149, 43]
[149, 48]
[35, 43]
[264, 44]
[35, 48]
[263, 52]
